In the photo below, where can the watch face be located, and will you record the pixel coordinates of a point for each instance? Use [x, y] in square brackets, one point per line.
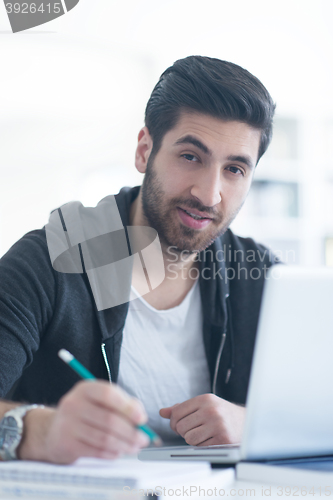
[9, 433]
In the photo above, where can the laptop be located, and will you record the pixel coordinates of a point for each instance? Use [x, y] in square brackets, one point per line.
[290, 397]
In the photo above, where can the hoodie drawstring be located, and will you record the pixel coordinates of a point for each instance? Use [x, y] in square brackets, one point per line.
[232, 348]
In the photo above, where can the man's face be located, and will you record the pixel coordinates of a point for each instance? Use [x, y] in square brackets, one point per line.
[203, 168]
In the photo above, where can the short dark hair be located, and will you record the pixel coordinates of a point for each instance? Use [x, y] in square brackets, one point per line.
[211, 86]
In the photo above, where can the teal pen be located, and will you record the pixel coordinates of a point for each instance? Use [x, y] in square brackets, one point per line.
[69, 359]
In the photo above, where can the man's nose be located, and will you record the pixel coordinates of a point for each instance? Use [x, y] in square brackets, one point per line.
[208, 187]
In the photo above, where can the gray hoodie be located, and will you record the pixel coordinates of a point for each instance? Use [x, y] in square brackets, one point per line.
[43, 310]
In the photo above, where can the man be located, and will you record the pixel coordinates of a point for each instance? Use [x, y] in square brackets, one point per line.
[183, 351]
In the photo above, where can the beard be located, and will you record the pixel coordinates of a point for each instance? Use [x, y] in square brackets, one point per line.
[162, 215]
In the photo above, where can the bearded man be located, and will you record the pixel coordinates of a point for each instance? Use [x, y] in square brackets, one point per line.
[179, 355]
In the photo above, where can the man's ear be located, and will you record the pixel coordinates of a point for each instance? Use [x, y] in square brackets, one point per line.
[143, 150]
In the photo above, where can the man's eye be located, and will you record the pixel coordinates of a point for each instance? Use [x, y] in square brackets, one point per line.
[189, 157]
[236, 170]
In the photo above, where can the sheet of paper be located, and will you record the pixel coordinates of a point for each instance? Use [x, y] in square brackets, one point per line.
[103, 479]
[98, 471]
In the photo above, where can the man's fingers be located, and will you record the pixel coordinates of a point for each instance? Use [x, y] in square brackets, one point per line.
[112, 397]
[177, 418]
[82, 449]
[167, 412]
[94, 419]
[66, 451]
[198, 435]
[182, 410]
[209, 442]
[104, 442]
[107, 422]
[187, 423]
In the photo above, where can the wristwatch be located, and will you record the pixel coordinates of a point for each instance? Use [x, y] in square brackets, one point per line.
[11, 429]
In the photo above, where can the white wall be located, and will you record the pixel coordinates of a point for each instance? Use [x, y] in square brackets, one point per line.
[73, 93]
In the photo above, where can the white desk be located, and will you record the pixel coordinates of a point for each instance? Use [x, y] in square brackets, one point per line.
[248, 490]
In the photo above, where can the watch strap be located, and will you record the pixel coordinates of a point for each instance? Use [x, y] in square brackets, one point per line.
[18, 413]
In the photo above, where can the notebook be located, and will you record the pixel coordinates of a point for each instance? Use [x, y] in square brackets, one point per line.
[289, 402]
[94, 479]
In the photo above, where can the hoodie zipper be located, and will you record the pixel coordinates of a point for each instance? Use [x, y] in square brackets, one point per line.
[106, 361]
[218, 359]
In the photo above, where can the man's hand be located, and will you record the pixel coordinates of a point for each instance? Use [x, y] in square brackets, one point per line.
[94, 419]
[206, 420]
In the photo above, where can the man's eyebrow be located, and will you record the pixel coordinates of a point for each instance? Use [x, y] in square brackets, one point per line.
[189, 139]
[242, 159]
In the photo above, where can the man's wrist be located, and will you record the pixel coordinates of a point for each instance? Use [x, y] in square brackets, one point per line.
[34, 438]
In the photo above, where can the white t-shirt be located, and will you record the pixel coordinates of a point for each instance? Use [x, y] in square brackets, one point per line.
[162, 359]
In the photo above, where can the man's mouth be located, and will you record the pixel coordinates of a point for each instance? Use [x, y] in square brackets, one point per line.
[196, 214]
[197, 217]
[199, 221]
